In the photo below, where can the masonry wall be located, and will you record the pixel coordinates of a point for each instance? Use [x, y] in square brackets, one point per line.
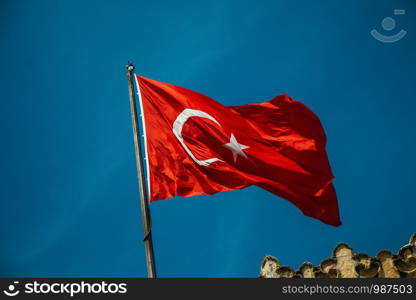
[345, 263]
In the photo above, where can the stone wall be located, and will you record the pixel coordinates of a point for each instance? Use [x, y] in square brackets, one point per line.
[345, 263]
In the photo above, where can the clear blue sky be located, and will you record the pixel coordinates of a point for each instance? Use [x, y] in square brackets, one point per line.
[68, 192]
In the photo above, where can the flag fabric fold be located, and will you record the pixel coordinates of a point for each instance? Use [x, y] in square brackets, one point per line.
[196, 146]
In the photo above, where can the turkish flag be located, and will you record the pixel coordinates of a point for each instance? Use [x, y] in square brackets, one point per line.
[196, 146]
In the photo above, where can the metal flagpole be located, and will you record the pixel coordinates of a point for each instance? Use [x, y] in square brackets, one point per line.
[144, 203]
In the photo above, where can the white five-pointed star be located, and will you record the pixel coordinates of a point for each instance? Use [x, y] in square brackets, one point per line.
[235, 147]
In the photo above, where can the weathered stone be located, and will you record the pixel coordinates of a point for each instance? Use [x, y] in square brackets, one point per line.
[388, 269]
[328, 269]
[269, 267]
[366, 267]
[306, 270]
[285, 272]
[346, 264]
[406, 259]
[331, 274]
[412, 240]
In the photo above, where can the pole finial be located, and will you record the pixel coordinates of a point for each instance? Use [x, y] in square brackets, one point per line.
[130, 66]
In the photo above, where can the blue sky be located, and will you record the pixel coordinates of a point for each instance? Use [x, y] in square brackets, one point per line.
[68, 190]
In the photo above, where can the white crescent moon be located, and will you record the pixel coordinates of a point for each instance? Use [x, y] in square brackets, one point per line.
[177, 131]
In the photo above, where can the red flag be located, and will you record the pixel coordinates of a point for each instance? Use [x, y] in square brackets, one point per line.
[196, 146]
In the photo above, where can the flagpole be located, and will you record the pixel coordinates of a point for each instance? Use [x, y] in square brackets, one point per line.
[144, 202]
